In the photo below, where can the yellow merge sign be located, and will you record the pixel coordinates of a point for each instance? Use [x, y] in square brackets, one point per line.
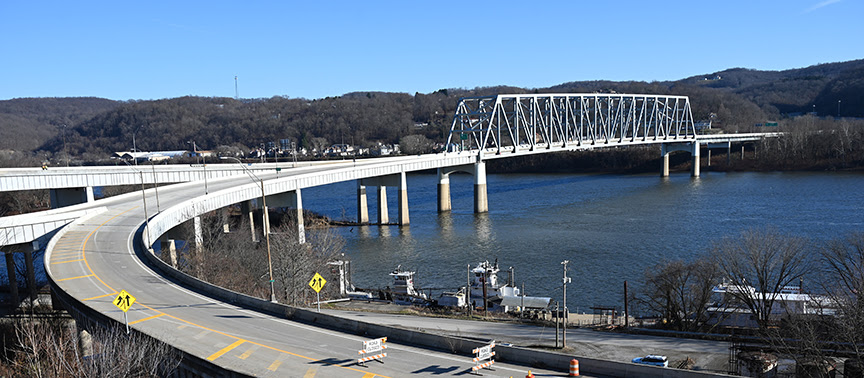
[124, 300]
[317, 283]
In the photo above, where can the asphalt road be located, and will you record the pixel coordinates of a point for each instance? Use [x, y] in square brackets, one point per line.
[95, 259]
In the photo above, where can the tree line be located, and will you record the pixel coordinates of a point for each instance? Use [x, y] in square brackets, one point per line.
[752, 270]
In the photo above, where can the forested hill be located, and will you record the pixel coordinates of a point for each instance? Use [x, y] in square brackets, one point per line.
[738, 98]
[27, 123]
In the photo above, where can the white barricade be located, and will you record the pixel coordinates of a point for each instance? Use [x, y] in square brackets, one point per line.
[483, 353]
[370, 348]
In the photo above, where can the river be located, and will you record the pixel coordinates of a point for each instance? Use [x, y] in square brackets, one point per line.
[610, 227]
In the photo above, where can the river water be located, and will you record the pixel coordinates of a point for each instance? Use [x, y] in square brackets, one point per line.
[610, 227]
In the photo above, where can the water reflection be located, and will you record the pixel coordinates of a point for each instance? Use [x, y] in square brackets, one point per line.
[384, 232]
[445, 224]
[483, 225]
[364, 231]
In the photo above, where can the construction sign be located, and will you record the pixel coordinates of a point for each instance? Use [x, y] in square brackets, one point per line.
[482, 354]
[370, 347]
[124, 300]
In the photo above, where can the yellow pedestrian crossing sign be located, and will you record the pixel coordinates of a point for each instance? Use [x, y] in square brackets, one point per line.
[317, 283]
[124, 300]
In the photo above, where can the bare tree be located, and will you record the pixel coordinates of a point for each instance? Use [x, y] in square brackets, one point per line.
[295, 264]
[681, 292]
[757, 265]
[50, 347]
[844, 262]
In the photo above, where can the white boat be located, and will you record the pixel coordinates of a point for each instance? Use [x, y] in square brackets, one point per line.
[498, 297]
[403, 291]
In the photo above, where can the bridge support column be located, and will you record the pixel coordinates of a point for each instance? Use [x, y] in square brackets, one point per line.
[199, 233]
[362, 205]
[13, 278]
[383, 217]
[481, 204]
[696, 159]
[403, 200]
[664, 154]
[443, 191]
[70, 196]
[291, 200]
[169, 247]
[31, 275]
[246, 209]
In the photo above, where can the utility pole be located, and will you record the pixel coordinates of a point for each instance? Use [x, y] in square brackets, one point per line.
[566, 281]
[236, 90]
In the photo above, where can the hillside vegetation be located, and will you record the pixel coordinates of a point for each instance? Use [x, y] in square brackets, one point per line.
[32, 131]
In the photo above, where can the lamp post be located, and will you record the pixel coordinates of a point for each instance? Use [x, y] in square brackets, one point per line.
[838, 108]
[566, 281]
[255, 177]
[134, 147]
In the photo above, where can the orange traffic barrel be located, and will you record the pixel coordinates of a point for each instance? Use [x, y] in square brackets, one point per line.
[574, 368]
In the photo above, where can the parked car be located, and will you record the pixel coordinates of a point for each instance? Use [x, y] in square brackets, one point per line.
[652, 359]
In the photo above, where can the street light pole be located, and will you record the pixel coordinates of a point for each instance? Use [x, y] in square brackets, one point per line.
[566, 281]
[266, 222]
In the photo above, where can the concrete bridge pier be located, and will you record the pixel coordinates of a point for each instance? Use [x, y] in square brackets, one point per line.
[444, 191]
[70, 196]
[362, 205]
[291, 200]
[247, 209]
[692, 147]
[382, 182]
[481, 202]
[30, 276]
[13, 278]
[383, 212]
[478, 170]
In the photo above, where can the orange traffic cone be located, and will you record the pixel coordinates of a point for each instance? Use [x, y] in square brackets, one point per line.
[529, 375]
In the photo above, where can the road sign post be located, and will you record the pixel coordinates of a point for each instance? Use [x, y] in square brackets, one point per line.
[317, 284]
[124, 301]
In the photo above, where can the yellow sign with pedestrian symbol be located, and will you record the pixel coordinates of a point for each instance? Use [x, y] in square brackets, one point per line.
[317, 283]
[124, 300]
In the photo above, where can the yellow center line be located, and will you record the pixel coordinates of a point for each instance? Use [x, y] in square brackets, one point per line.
[217, 354]
[225, 350]
[66, 261]
[100, 296]
[146, 319]
[73, 278]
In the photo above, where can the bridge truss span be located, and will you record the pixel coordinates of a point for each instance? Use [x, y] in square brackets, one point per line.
[526, 122]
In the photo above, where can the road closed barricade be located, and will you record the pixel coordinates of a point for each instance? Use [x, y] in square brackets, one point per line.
[483, 354]
[372, 350]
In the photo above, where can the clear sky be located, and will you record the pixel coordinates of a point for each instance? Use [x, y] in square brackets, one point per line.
[155, 49]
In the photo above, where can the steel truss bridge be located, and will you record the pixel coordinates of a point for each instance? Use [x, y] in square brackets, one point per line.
[571, 121]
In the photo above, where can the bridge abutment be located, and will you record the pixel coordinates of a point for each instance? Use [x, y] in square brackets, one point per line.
[70, 196]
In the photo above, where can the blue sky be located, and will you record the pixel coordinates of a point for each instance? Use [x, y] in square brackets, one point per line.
[126, 50]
